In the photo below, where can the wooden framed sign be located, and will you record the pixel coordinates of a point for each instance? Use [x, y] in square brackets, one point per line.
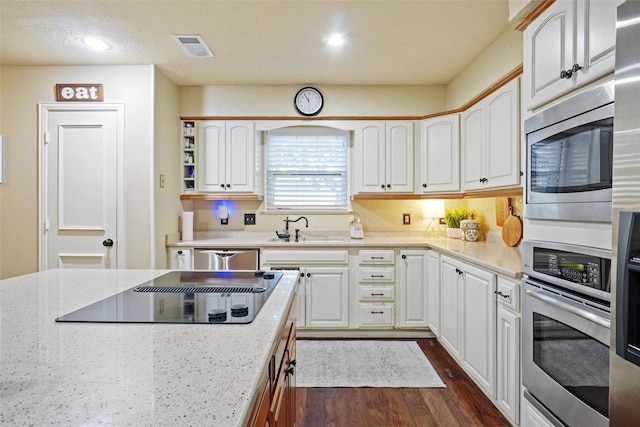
[87, 92]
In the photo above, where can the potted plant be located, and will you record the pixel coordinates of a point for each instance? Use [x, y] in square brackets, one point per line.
[453, 217]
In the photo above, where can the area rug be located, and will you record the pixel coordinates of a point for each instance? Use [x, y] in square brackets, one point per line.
[397, 364]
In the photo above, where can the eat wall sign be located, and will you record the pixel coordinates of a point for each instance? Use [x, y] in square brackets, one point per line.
[79, 93]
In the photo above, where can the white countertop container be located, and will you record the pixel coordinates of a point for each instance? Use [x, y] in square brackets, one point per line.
[78, 374]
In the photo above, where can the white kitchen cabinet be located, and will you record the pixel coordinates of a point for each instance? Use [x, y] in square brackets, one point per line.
[433, 296]
[412, 285]
[438, 158]
[374, 281]
[227, 157]
[568, 33]
[479, 326]
[491, 140]
[508, 349]
[451, 287]
[327, 297]
[180, 259]
[323, 295]
[384, 157]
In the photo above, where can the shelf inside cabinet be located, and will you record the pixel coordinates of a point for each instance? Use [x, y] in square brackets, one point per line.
[188, 156]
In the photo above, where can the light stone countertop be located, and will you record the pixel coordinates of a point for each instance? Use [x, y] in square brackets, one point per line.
[492, 254]
[79, 374]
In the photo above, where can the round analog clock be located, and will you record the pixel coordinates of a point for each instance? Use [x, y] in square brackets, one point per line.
[308, 101]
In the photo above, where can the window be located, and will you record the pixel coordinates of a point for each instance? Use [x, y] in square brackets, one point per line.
[307, 169]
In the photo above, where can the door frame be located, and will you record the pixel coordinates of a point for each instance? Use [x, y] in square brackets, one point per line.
[43, 111]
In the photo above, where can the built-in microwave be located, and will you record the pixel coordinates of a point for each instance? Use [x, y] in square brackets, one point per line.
[569, 158]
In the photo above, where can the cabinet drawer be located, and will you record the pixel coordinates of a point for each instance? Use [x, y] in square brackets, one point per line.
[375, 292]
[508, 294]
[376, 274]
[291, 257]
[376, 315]
[376, 256]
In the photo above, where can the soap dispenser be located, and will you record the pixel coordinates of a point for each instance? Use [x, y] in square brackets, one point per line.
[357, 231]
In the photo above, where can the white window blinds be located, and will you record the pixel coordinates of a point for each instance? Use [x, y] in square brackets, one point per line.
[307, 169]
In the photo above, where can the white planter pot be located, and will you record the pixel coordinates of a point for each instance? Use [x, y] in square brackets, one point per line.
[454, 233]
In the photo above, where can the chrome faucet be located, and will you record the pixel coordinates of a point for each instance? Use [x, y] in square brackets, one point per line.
[286, 236]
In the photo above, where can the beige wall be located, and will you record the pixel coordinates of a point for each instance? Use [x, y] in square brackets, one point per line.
[166, 154]
[502, 56]
[21, 89]
[277, 101]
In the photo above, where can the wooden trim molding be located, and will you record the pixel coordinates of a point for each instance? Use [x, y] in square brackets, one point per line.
[535, 12]
[499, 192]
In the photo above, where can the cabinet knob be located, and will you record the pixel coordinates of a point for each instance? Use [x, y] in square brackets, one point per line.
[228, 185]
[301, 274]
[404, 256]
[388, 185]
[308, 274]
[179, 252]
[382, 186]
[222, 185]
[107, 243]
[424, 185]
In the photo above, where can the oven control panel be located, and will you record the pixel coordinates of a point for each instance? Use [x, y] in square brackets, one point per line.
[574, 267]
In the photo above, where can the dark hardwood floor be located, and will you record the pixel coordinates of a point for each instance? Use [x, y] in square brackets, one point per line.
[461, 403]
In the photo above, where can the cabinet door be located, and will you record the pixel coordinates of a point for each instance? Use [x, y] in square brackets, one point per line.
[479, 324]
[370, 158]
[503, 136]
[327, 297]
[473, 147]
[413, 276]
[433, 296]
[211, 157]
[450, 296]
[595, 38]
[240, 165]
[508, 363]
[438, 166]
[548, 49]
[399, 157]
[531, 417]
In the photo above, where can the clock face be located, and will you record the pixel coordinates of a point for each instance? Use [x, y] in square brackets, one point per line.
[308, 101]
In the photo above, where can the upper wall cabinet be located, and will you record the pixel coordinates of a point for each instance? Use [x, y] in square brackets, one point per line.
[491, 140]
[568, 45]
[438, 157]
[227, 157]
[384, 157]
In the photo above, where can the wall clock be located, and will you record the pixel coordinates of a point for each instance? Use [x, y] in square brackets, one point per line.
[308, 101]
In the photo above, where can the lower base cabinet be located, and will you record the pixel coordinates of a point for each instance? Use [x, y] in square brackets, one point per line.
[276, 403]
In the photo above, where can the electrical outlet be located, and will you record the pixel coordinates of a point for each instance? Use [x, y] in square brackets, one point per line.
[161, 180]
[224, 221]
[406, 219]
[249, 219]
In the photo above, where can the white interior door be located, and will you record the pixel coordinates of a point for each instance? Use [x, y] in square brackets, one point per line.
[81, 148]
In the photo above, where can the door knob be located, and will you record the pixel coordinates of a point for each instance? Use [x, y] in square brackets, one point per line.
[107, 243]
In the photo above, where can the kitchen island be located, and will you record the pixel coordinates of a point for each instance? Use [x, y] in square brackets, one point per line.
[126, 374]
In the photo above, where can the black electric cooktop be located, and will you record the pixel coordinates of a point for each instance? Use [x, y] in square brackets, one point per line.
[185, 297]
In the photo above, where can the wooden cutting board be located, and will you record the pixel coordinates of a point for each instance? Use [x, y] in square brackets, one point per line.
[511, 230]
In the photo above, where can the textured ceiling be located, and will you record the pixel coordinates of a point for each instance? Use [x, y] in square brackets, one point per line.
[420, 42]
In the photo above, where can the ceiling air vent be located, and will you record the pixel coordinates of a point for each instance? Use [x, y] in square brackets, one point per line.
[193, 45]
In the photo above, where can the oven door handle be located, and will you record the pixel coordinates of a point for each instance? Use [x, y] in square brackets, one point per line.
[568, 307]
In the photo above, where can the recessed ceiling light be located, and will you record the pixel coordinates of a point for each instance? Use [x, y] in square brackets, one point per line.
[96, 44]
[335, 39]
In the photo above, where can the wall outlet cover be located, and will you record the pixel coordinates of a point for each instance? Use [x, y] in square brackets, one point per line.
[406, 219]
[249, 219]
